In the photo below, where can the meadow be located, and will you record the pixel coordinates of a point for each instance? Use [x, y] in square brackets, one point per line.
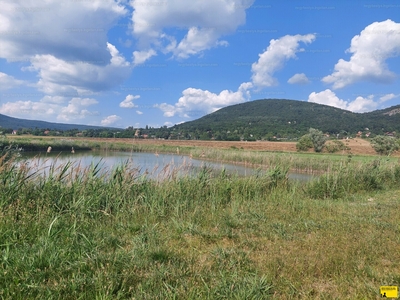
[82, 235]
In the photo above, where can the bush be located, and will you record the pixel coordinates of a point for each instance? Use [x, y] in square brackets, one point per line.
[384, 145]
[318, 139]
[336, 146]
[304, 143]
[314, 139]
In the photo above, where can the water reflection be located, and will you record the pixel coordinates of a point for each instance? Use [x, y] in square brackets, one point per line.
[152, 165]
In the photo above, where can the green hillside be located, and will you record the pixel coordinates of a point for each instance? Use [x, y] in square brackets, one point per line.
[7, 122]
[255, 120]
[262, 119]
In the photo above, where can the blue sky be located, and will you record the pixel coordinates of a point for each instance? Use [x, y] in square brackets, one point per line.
[163, 62]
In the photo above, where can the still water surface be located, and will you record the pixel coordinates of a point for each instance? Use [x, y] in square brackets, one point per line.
[147, 164]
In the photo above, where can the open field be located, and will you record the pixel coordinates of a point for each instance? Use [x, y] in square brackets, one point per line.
[357, 146]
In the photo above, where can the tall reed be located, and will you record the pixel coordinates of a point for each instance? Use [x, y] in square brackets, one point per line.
[119, 234]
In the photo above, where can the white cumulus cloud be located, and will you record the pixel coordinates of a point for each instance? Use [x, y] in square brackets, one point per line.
[196, 41]
[69, 30]
[128, 101]
[328, 97]
[204, 22]
[60, 77]
[60, 109]
[110, 120]
[77, 109]
[8, 82]
[274, 57]
[388, 97]
[65, 42]
[197, 101]
[369, 52]
[29, 109]
[140, 57]
[300, 78]
[362, 104]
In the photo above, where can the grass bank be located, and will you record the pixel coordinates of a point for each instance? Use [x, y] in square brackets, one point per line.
[300, 162]
[122, 236]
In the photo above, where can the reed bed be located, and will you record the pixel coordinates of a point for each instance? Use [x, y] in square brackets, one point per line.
[299, 162]
[86, 233]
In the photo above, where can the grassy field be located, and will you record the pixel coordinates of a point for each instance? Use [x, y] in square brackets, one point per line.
[257, 154]
[78, 235]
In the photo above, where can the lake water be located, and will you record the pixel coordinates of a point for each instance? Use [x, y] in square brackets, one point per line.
[149, 164]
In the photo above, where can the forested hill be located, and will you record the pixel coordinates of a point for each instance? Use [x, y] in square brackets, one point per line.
[262, 119]
[15, 123]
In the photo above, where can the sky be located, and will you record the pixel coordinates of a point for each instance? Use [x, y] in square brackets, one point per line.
[121, 63]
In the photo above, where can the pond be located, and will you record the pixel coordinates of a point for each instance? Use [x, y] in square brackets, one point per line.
[152, 165]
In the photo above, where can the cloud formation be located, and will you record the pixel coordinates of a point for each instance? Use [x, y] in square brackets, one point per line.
[8, 82]
[110, 120]
[369, 52]
[128, 101]
[388, 97]
[65, 43]
[197, 101]
[274, 57]
[57, 108]
[204, 22]
[59, 77]
[300, 78]
[68, 30]
[359, 105]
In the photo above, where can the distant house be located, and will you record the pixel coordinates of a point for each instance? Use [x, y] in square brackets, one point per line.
[46, 132]
[14, 132]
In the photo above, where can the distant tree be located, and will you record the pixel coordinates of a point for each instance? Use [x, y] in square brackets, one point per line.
[304, 143]
[318, 139]
[384, 145]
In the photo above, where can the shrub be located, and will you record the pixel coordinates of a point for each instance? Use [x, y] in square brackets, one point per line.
[318, 139]
[304, 143]
[384, 145]
[336, 146]
[314, 139]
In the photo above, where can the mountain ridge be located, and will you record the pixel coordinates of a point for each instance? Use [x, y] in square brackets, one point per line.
[16, 123]
[265, 118]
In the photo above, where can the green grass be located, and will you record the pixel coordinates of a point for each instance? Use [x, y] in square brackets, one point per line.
[82, 235]
[298, 161]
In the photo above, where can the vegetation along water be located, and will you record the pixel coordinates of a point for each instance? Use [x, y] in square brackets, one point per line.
[119, 235]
